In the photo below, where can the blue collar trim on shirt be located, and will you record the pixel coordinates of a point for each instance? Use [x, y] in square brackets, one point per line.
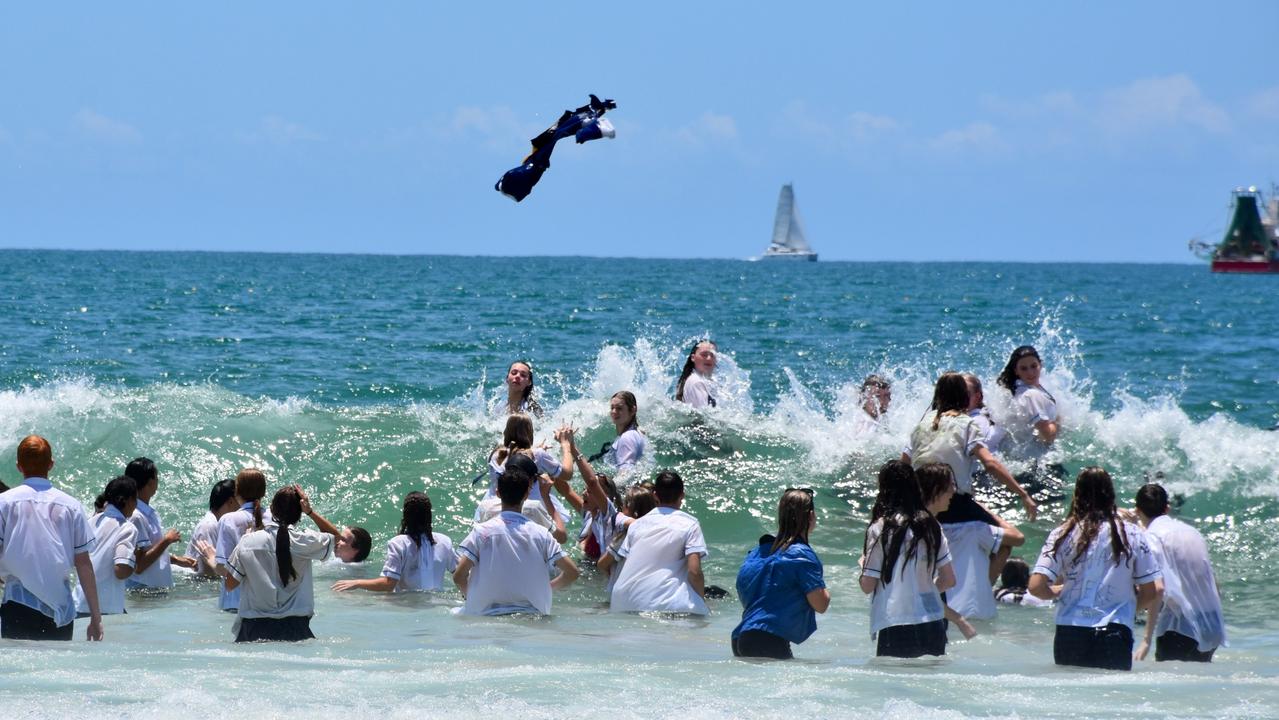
[38, 483]
[112, 511]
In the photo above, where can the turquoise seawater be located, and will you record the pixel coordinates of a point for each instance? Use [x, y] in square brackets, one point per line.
[363, 378]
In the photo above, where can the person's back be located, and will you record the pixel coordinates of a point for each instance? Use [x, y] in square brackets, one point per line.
[909, 597]
[655, 576]
[254, 564]
[116, 541]
[512, 557]
[1098, 590]
[1192, 606]
[41, 530]
[952, 442]
[419, 565]
[971, 546]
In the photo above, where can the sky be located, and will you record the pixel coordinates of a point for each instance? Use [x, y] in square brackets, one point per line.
[998, 131]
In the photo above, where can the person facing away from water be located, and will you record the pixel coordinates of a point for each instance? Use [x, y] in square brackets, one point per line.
[113, 556]
[541, 510]
[876, 394]
[781, 584]
[416, 558]
[1100, 570]
[154, 562]
[250, 489]
[663, 552]
[946, 434]
[517, 439]
[221, 502]
[1014, 580]
[936, 489]
[519, 391]
[905, 567]
[271, 569]
[43, 535]
[978, 551]
[1032, 422]
[696, 386]
[1188, 623]
[502, 564]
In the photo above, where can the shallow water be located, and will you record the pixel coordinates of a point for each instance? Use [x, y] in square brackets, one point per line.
[365, 377]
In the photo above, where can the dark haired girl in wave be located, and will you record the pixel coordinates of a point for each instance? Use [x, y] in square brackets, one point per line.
[416, 559]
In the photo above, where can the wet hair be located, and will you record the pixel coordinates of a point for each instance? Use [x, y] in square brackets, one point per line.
[950, 394]
[1092, 505]
[286, 508]
[222, 491]
[688, 368]
[1015, 575]
[639, 500]
[518, 435]
[668, 486]
[901, 508]
[793, 510]
[610, 489]
[934, 479]
[513, 486]
[628, 399]
[874, 382]
[527, 398]
[415, 520]
[250, 486]
[1152, 500]
[142, 470]
[361, 542]
[118, 492]
[974, 385]
[35, 455]
[1008, 376]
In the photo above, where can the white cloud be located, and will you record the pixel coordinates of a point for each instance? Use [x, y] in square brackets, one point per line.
[856, 128]
[978, 136]
[276, 130]
[710, 128]
[496, 127]
[1159, 102]
[1055, 103]
[96, 126]
[1265, 104]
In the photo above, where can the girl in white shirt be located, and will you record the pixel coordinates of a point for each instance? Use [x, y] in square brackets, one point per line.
[519, 391]
[416, 559]
[1033, 423]
[517, 438]
[629, 447]
[113, 558]
[250, 488]
[905, 568]
[696, 386]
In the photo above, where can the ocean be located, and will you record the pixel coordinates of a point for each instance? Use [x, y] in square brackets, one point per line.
[365, 377]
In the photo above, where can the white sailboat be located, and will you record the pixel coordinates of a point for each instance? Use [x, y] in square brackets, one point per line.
[788, 232]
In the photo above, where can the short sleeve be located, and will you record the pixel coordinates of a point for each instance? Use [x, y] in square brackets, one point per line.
[233, 564]
[810, 572]
[874, 562]
[83, 536]
[694, 542]
[695, 393]
[227, 540]
[139, 521]
[973, 438]
[992, 539]
[1049, 564]
[621, 551]
[1145, 565]
[124, 548]
[943, 552]
[1039, 405]
[311, 545]
[393, 567]
[628, 449]
[551, 550]
[470, 546]
[445, 553]
[547, 463]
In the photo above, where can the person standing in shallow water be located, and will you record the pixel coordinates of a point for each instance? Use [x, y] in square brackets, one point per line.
[781, 584]
[696, 387]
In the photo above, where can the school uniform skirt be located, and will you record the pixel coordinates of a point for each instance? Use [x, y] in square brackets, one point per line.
[285, 629]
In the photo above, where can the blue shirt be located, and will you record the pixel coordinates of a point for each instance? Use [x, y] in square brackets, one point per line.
[773, 588]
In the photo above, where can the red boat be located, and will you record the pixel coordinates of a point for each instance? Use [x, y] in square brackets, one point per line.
[1251, 243]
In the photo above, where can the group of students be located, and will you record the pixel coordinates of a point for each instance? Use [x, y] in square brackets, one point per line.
[930, 556]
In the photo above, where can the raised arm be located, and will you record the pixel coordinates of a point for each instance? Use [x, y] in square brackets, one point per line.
[562, 487]
[319, 520]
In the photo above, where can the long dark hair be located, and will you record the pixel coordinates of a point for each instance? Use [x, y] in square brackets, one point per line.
[518, 435]
[286, 508]
[792, 518]
[250, 486]
[628, 399]
[934, 479]
[901, 508]
[1008, 376]
[950, 394]
[527, 398]
[1093, 504]
[118, 492]
[415, 521]
[688, 368]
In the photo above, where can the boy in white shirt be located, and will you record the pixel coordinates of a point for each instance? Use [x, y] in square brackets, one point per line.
[663, 552]
[43, 534]
[502, 564]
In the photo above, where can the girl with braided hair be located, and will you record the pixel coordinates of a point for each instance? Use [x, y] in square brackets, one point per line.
[416, 559]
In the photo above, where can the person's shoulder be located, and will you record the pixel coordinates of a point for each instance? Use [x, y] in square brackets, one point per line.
[442, 539]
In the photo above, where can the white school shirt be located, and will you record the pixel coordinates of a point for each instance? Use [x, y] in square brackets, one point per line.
[41, 531]
[864, 423]
[992, 432]
[700, 391]
[546, 463]
[1098, 591]
[912, 597]
[655, 575]
[971, 545]
[1191, 605]
[532, 509]
[117, 540]
[160, 573]
[254, 564]
[1021, 597]
[627, 450]
[510, 557]
[1029, 406]
[419, 568]
[206, 530]
[231, 527]
[954, 441]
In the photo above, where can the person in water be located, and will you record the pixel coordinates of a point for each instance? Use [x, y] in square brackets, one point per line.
[519, 390]
[154, 562]
[1014, 581]
[517, 439]
[663, 552]
[876, 394]
[113, 558]
[205, 534]
[781, 584]
[1100, 570]
[696, 387]
[630, 445]
[416, 558]
[1033, 423]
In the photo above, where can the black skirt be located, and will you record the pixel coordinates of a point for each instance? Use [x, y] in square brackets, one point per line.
[912, 641]
[1106, 648]
[285, 629]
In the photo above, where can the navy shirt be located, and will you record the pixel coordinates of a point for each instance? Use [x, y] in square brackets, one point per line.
[773, 588]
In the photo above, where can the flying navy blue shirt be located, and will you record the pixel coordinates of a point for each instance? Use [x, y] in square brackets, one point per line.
[773, 588]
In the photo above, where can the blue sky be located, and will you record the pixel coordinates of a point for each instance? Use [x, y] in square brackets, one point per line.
[992, 131]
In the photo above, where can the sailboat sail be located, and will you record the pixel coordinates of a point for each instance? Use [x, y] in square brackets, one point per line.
[788, 231]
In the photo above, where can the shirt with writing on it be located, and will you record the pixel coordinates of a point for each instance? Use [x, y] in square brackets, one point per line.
[1097, 590]
[910, 597]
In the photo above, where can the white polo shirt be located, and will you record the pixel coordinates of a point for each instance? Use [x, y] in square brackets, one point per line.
[41, 531]
[231, 527]
[117, 540]
[1097, 591]
[971, 545]
[700, 391]
[954, 441]
[911, 598]
[419, 568]
[254, 564]
[655, 575]
[511, 556]
[206, 530]
[626, 451]
[159, 574]
[1029, 405]
[1191, 604]
[546, 463]
[532, 509]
